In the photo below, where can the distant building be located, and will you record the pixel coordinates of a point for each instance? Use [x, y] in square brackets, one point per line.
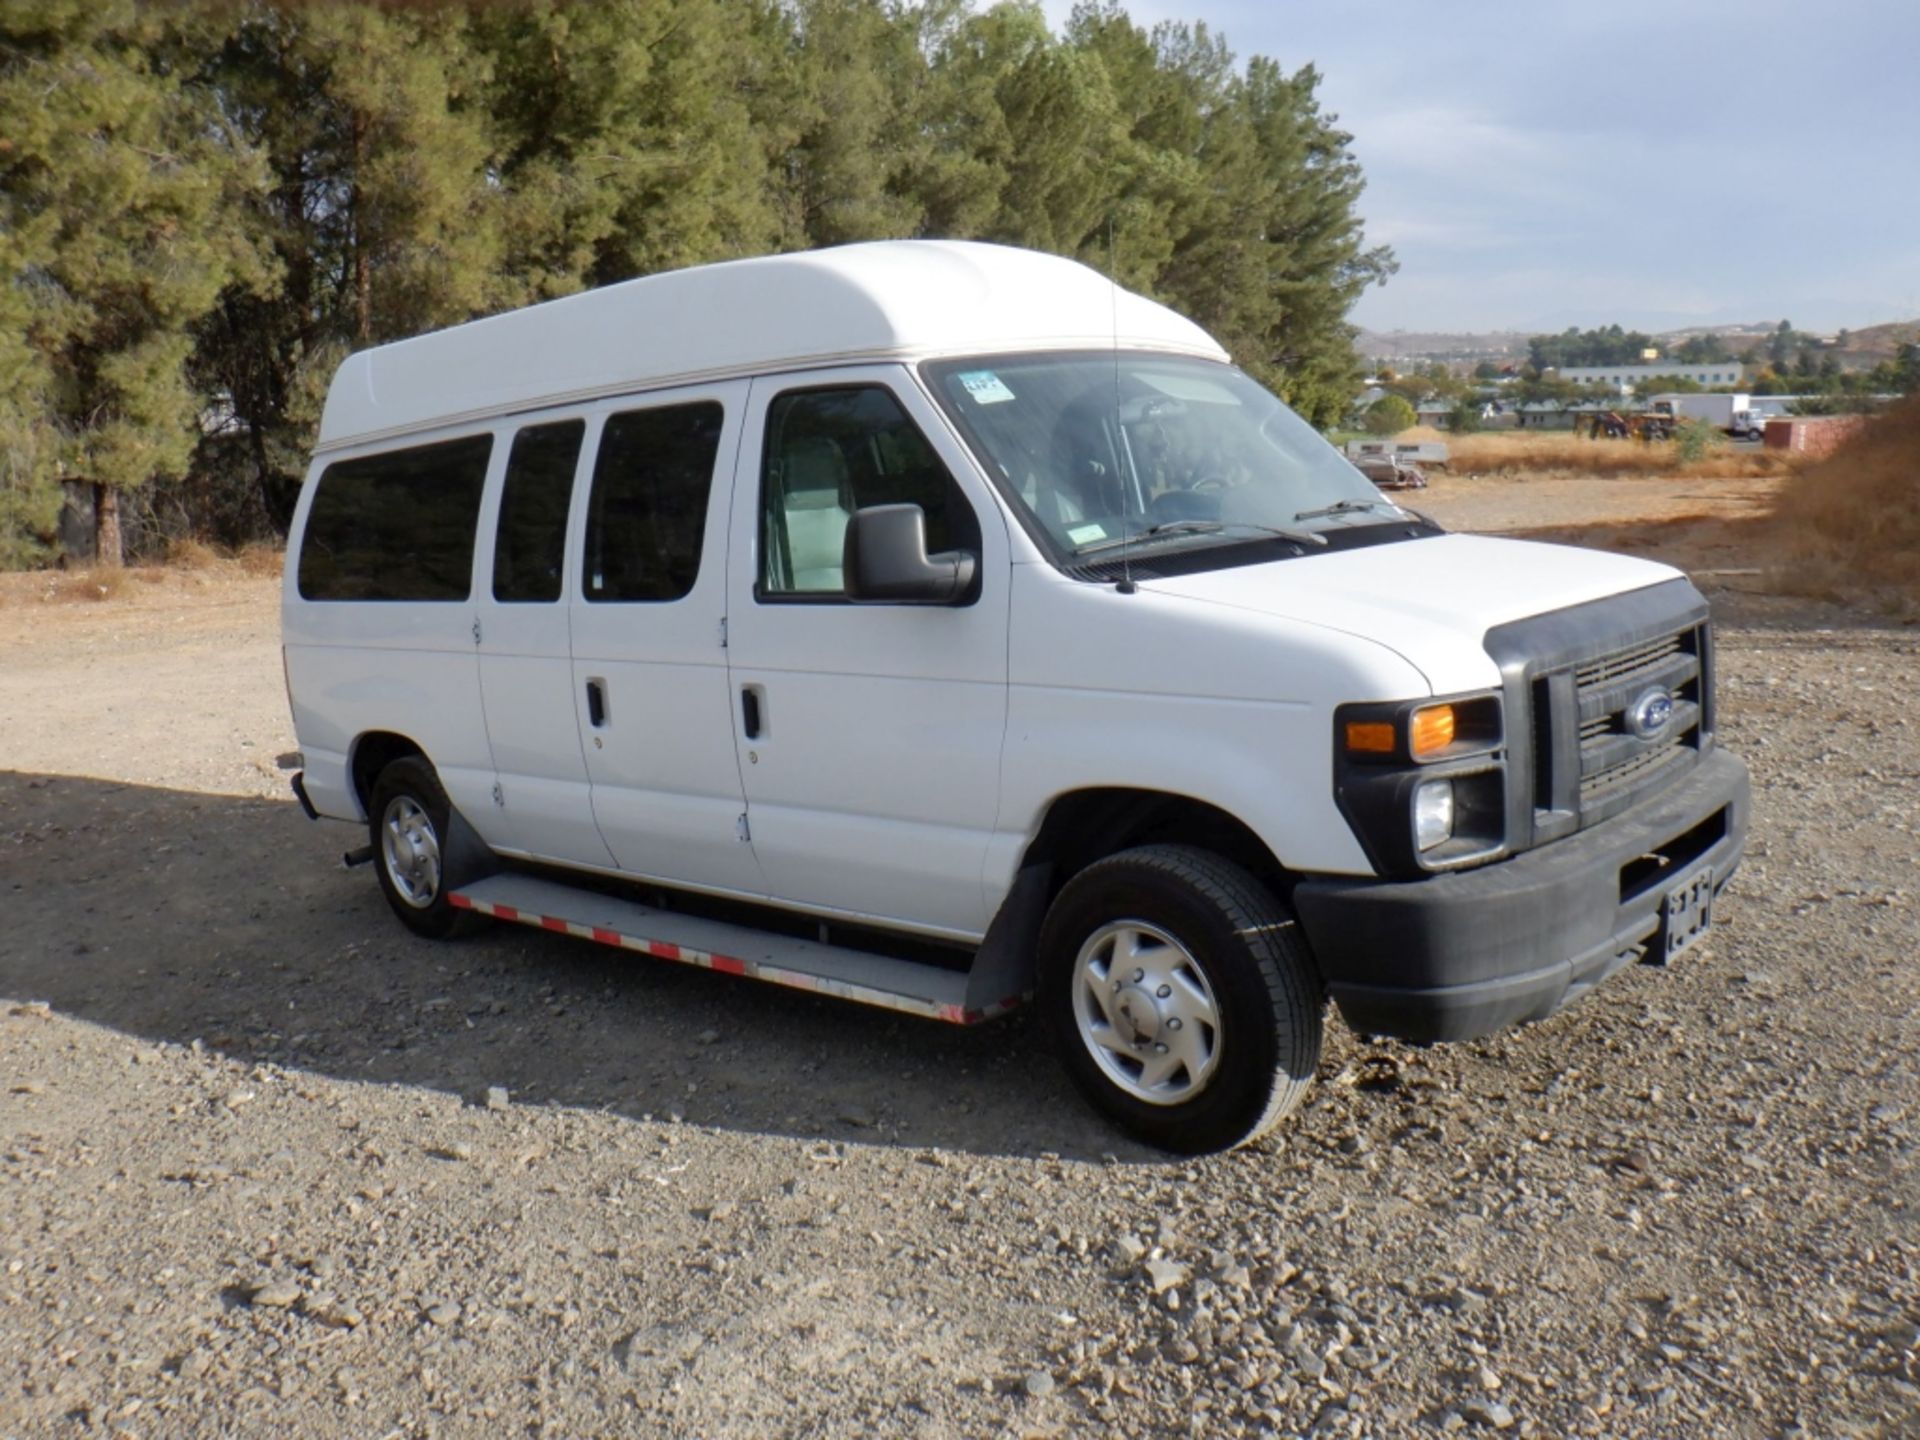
[1553, 414]
[1722, 372]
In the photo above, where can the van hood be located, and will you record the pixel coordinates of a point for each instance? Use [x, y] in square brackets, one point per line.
[1430, 601]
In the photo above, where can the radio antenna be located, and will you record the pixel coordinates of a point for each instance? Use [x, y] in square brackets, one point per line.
[1122, 456]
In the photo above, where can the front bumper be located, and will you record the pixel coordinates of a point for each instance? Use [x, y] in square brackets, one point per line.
[1464, 954]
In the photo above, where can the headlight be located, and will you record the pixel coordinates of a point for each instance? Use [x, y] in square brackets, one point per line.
[1423, 782]
[1432, 814]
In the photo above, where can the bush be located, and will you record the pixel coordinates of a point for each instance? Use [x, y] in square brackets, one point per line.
[1695, 440]
[1389, 415]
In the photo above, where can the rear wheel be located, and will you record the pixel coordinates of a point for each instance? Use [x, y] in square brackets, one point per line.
[407, 820]
[1181, 997]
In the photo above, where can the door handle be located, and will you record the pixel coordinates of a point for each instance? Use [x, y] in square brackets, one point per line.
[596, 703]
[750, 711]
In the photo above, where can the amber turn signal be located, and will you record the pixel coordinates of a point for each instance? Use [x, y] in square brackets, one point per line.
[1432, 730]
[1370, 737]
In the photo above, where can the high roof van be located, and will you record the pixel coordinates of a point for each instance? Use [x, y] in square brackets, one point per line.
[939, 625]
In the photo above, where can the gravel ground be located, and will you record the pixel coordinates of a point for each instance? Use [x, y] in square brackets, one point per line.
[271, 1165]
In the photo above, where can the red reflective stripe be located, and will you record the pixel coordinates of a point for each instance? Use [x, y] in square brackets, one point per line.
[606, 937]
[547, 922]
[505, 912]
[727, 965]
[459, 901]
[664, 952]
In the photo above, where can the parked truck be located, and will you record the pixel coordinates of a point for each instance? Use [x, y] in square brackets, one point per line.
[1733, 414]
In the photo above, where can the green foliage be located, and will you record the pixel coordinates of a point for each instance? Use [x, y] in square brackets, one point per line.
[121, 192]
[1389, 415]
[203, 206]
[1695, 439]
[1702, 350]
[1903, 374]
[1611, 346]
[1464, 418]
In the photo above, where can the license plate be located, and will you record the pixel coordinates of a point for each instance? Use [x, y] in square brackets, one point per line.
[1686, 913]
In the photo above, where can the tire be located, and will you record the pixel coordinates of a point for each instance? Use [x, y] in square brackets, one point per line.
[1208, 938]
[408, 823]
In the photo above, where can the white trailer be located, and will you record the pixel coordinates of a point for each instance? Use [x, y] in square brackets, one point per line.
[1734, 414]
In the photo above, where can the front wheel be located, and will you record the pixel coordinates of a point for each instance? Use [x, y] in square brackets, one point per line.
[408, 819]
[1181, 997]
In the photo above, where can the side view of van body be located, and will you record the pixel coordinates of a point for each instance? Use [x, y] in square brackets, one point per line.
[937, 624]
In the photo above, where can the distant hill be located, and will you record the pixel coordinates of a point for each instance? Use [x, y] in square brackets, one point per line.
[1441, 345]
[1883, 342]
[1863, 348]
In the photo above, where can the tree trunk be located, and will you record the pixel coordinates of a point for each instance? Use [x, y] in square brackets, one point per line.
[362, 265]
[106, 529]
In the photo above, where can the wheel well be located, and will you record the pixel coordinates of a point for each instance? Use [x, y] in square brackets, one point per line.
[1089, 825]
[372, 753]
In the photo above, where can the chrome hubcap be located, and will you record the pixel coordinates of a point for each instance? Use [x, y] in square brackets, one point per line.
[1146, 1013]
[412, 851]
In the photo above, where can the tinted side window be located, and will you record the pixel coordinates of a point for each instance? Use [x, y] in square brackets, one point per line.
[648, 515]
[830, 453]
[532, 538]
[397, 526]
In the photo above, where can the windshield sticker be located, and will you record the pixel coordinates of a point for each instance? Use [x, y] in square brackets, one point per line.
[985, 387]
[1085, 534]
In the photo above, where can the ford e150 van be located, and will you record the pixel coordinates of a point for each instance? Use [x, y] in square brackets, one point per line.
[937, 625]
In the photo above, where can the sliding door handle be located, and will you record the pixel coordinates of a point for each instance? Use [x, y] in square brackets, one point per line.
[750, 711]
[596, 703]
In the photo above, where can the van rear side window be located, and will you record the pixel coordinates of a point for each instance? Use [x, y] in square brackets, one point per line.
[397, 526]
[648, 516]
[532, 536]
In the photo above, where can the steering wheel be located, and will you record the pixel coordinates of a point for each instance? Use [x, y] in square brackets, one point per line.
[1211, 484]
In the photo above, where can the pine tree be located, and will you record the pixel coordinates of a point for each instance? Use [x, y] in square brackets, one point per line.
[121, 186]
[381, 211]
[625, 139]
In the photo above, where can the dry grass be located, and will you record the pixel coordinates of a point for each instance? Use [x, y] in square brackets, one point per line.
[104, 583]
[259, 558]
[191, 555]
[1850, 524]
[190, 564]
[1566, 454]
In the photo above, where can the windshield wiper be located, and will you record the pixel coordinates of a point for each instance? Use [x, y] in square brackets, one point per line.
[1197, 527]
[1347, 507]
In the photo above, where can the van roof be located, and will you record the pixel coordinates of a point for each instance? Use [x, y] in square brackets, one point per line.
[886, 300]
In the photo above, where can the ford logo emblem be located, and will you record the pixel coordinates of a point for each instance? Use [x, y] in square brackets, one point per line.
[1648, 716]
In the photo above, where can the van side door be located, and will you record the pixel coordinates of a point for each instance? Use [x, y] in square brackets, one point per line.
[542, 799]
[648, 610]
[869, 734]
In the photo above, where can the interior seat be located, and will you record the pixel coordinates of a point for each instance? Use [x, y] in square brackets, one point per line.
[818, 504]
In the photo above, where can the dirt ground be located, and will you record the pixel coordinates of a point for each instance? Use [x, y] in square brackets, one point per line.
[250, 1182]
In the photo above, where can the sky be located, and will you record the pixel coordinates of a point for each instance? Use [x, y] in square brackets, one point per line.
[1659, 165]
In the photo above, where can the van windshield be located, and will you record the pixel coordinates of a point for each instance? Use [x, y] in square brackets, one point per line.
[1114, 449]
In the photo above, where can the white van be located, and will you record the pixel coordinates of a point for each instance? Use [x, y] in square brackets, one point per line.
[937, 624]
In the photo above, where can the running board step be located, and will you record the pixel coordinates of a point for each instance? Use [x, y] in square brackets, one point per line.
[902, 985]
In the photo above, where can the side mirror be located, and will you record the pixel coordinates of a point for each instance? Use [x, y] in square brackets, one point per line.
[886, 559]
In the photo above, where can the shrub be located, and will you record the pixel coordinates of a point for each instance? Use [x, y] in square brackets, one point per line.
[1695, 440]
[1389, 415]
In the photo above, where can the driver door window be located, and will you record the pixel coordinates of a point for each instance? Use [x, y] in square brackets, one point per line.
[829, 453]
